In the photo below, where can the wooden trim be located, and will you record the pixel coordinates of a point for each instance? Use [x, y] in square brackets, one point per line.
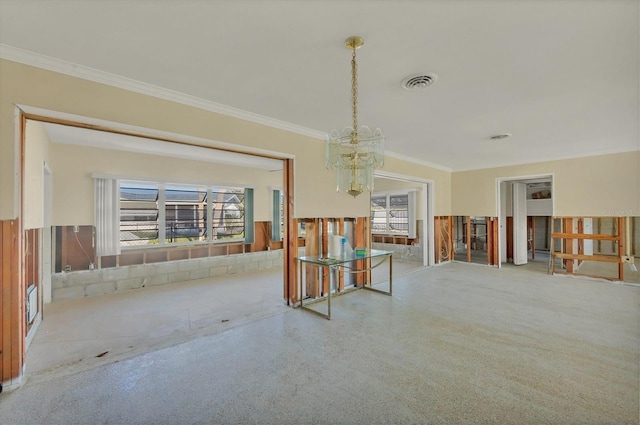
[70, 123]
[290, 243]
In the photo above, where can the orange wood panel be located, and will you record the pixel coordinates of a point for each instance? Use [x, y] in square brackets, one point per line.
[291, 236]
[12, 298]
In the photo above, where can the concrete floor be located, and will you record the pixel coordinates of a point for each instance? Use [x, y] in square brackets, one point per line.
[457, 343]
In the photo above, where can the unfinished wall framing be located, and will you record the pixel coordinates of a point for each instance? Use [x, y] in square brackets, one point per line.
[598, 247]
[317, 232]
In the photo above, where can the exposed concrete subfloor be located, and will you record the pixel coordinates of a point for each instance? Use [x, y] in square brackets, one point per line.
[456, 343]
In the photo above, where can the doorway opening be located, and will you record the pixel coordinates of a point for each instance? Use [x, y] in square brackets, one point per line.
[525, 208]
[59, 207]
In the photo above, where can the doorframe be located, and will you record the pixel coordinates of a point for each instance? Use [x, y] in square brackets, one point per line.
[20, 340]
[428, 206]
[502, 222]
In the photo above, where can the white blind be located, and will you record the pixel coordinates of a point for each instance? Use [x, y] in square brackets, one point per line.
[107, 216]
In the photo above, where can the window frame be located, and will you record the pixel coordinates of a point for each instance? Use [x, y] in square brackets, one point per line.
[411, 213]
[245, 218]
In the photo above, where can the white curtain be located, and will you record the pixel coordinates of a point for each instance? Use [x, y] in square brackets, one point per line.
[107, 216]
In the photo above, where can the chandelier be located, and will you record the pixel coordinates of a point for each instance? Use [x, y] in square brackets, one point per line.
[356, 151]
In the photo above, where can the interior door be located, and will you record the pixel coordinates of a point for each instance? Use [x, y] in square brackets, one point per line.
[519, 209]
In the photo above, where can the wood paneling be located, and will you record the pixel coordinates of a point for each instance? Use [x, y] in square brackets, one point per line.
[12, 298]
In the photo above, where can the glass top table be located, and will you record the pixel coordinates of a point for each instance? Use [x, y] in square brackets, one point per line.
[351, 263]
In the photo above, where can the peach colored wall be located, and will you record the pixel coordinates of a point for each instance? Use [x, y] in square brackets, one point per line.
[604, 185]
[314, 195]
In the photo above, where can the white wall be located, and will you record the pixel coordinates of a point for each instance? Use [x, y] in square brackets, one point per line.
[74, 166]
[36, 154]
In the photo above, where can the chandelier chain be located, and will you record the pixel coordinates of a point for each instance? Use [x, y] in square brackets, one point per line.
[354, 96]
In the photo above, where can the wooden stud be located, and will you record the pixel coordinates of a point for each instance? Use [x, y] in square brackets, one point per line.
[311, 248]
[468, 239]
[325, 252]
[568, 244]
[436, 236]
[488, 225]
[359, 238]
[340, 283]
[533, 238]
[580, 240]
[496, 238]
[621, 248]
[450, 240]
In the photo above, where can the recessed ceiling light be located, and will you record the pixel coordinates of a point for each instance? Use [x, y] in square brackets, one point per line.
[419, 81]
[500, 136]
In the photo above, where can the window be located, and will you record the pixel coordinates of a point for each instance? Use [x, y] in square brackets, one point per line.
[159, 214]
[138, 214]
[228, 213]
[185, 214]
[393, 213]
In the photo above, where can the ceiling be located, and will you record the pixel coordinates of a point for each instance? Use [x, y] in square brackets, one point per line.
[561, 76]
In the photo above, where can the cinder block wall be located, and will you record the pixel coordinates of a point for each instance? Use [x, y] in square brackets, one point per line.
[409, 253]
[106, 281]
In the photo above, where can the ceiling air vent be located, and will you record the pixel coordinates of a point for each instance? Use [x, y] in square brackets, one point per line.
[419, 81]
[500, 136]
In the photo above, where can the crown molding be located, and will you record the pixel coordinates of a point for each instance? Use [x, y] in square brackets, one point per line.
[413, 160]
[555, 159]
[38, 60]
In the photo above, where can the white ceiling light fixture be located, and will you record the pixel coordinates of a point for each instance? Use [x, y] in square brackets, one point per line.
[356, 151]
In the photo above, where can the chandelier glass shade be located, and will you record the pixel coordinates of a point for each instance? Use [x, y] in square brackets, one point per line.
[356, 151]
